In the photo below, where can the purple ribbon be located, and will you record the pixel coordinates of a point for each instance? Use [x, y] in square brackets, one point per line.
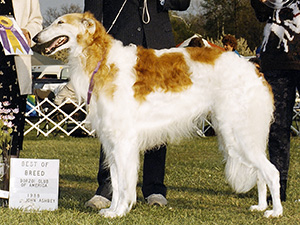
[21, 39]
[91, 86]
[4, 38]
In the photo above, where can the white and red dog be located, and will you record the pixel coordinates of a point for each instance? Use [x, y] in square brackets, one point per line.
[144, 97]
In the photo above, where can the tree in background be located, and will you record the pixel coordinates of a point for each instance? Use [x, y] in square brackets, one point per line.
[215, 18]
[53, 13]
[242, 45]
[181, 29]
[186, 23]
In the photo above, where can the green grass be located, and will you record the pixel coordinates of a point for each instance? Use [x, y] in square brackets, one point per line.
[197, 190]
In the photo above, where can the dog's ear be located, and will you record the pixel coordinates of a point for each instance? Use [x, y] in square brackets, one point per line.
[89, 24]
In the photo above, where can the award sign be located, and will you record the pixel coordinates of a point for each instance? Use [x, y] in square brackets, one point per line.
[34, 184]
[12, 38]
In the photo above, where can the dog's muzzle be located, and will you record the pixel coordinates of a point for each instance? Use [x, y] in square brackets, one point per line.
[53, 44]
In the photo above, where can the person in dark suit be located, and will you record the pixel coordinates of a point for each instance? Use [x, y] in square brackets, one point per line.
[280, 63]
[145, 23]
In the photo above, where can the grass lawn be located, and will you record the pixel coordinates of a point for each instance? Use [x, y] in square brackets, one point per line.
[197, 190]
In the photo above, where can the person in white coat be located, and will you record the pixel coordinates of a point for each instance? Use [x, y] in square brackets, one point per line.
[15, 71]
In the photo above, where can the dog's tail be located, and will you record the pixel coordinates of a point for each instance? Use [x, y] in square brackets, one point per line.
[241, 177]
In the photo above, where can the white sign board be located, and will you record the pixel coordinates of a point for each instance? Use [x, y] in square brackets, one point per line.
[34, 184]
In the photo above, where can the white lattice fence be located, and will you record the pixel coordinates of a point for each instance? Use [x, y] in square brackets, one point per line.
[52, 119]
[296, 120]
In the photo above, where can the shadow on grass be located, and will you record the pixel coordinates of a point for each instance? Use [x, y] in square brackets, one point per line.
[204, 191]
[74, 198]
[74, 191]
[77, 178]
[181, 197]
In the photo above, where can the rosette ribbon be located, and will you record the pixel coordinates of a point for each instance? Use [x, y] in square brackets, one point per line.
[11, 35]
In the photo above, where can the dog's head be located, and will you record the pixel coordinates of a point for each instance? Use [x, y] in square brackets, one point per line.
[68, 31]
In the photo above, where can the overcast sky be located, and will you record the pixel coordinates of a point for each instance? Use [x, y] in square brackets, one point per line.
[57, 3]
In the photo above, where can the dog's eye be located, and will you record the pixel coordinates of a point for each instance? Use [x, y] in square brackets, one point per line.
[60, 22]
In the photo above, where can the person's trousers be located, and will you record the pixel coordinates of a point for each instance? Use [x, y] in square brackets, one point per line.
[10, 93]
[153, 174]
[284, 84]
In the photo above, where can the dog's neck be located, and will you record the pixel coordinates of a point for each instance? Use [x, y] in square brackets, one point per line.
[88, 55]
[94, 49]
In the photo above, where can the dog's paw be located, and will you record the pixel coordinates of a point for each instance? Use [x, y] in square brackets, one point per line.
[108, 213]
[272, 213]
[258, 207]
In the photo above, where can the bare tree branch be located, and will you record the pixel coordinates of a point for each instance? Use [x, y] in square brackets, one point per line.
[53, 13]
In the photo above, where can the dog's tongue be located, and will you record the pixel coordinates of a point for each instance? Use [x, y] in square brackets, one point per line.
[56, 43]
[51, 47]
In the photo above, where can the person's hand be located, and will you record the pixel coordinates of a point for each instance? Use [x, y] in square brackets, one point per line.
[263, 0]
[27, 36]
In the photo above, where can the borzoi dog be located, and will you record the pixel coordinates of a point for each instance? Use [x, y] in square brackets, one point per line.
[140, 98]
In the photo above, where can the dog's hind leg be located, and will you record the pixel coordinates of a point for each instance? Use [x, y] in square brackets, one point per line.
[255, 157]
[271, 176]
[124, 174]
[246, 161]
[252, 147]
[252, 140]
[253, 164]
[267, 174]
[262, 194]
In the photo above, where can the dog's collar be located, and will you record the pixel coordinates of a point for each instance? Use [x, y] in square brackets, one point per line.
[91, 86]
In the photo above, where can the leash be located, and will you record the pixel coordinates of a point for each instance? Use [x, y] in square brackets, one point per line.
[297, 15]
[117, 16]
[145, 17]
[92, 83]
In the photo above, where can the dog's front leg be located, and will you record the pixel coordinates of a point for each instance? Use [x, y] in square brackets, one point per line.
[115, 186]
[124, 173]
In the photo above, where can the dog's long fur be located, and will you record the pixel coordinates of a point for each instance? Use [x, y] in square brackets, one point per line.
[145, 97]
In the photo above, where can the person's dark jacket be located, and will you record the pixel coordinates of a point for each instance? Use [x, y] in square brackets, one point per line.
[274, 58]
[129, 27]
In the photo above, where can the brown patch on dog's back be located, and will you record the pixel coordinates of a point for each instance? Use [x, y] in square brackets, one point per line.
[110, 87]
[205, 55]
[168, 72]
